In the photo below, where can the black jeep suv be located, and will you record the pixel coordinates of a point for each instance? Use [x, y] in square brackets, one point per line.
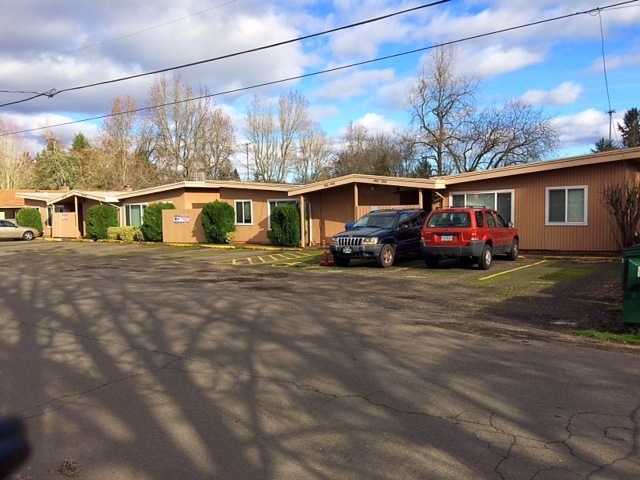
[379, 235]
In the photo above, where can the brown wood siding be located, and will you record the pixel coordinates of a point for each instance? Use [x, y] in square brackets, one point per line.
[257, 232]
[182, 198]
[330, 210]
[599, 235]
[182, 226]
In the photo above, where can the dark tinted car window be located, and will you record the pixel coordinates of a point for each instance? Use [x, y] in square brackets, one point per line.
[501, 221]
[490, 220]
[479, 220]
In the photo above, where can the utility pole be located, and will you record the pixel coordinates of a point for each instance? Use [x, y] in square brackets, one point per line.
[247, 147]
[610, 113]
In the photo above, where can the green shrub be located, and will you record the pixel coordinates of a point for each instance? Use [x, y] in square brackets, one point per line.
[29, 217]
[230, 237]
[99, 219]
[218, 220]
[113, 233]
[152, 221]
[285, 225]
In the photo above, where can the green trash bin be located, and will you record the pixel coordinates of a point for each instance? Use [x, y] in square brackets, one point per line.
[631, 287]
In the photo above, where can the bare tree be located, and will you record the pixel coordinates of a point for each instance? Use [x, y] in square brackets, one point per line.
[15, 163]
[459, 137]
[275, 134]
[312, 161]
[183, 129]
[510, 134]
[623, 202]
[370, 153]
[439, 103]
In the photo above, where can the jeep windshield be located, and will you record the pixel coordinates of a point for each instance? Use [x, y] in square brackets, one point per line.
[377, 220]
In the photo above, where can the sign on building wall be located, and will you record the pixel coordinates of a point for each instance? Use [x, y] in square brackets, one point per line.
[181, 219]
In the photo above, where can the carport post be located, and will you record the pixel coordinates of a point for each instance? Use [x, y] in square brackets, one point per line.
[301, 205]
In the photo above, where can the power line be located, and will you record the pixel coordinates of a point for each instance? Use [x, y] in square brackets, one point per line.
[321, 72]
[231, 55]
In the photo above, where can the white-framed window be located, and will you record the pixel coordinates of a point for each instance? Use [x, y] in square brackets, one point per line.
[276, 203]
[244, 212]
[566, 205]
[134, 213]
[500, 200]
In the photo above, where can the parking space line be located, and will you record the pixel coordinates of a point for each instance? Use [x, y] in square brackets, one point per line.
[512, 270]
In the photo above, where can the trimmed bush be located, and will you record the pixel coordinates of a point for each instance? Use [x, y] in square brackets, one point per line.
[152, 221]
[285, 225]
[218, 221]
[125, 234]
[29, 217]
[99, 219]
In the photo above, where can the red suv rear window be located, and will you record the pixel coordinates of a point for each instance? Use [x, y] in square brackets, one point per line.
[449, 219]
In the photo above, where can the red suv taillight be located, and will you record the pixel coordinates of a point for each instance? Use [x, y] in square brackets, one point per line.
[474, 234]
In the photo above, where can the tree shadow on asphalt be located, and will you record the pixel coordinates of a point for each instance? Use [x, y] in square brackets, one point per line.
[140, 374]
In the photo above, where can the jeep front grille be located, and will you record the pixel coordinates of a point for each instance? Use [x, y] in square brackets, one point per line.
[349, 241]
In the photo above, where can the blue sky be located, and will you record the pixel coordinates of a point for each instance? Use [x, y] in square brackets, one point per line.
[556, 65]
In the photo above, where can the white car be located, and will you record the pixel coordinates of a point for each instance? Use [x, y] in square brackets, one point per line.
[9, 230]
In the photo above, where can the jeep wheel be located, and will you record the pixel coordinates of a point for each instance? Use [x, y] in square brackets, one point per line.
[431, 261]
[484, 260]
[513, 253]
[385, 259]
[341, 261]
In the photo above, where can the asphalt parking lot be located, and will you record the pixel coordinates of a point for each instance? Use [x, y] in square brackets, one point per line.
[553, 293]
[154, 362]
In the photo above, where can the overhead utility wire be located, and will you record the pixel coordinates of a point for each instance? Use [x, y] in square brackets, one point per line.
[230, 55]
[335, 69]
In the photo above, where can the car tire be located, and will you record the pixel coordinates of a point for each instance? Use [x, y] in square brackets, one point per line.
[341, 261]
[28, 236]
[485, 259]
[431, 261]
[386, 256]
[513, 253]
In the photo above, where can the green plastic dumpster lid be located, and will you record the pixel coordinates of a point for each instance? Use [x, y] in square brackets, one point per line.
[631, 252]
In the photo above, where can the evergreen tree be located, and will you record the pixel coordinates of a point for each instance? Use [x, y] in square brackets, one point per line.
[631, 128]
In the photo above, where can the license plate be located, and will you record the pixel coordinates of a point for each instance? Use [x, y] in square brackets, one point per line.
[446, 238]
[347, 250]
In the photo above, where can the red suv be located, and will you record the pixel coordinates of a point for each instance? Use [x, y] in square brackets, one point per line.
[477, 233]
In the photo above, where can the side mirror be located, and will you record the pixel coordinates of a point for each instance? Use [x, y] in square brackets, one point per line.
[349, 225]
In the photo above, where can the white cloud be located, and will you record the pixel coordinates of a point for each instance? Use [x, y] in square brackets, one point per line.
[564, 94]
[585, 127]
[376, 123]
[353, 84]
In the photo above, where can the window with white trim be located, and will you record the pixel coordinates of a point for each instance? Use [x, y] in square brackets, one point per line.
[244, 212]
[500, 200]
[566, 205]
[134, 213]
[276, 203]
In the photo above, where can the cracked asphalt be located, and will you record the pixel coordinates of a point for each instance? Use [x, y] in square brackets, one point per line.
[152, 362]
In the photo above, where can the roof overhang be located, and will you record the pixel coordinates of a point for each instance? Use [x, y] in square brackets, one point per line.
[549, 165]
[426, 183]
